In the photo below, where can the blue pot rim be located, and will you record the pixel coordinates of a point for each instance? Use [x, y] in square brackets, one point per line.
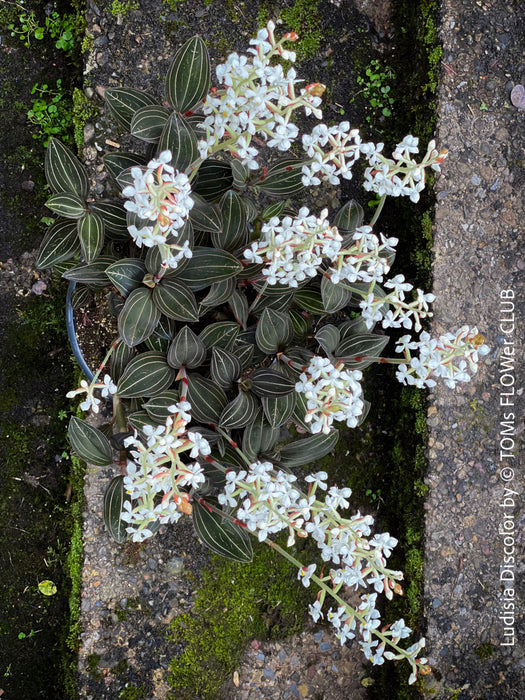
[72, 335]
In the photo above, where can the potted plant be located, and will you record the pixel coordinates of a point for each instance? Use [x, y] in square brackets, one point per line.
[243, 316]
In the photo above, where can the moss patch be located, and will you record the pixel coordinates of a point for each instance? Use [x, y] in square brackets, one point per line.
[236, 602]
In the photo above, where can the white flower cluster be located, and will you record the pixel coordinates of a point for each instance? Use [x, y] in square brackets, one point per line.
[367, 260]
[268, 501]
[256, 98]
[332, 393]
[448, 357]
[403, 314]
[163, 195]
[400, 176]
[157, 476]
[91, 402]
[329, 166]
[294, 248]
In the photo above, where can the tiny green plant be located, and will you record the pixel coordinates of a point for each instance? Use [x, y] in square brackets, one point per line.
[28, 28]
[376, 90]
[50, 111]
[23, 635]
[59, 27]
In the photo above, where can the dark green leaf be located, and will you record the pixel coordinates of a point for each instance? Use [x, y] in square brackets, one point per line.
[114, 499]
[221, 334]
[68, 205]
[309, 300]
[124, 102]
[283, 179]
[207, 399]
[93, 274]
[116, 163]
[214, 178]
[157, 407]
[146, 374]
[114, 217]
[60, 243]
[91, 235]
[179, 138]
[278, 409]
[328, 338]
[205, 216]
[126, 274]
[239, 412]
[148, 122]
[334, 296]
[186, 349]
[225, 367]
[175, 300]
[188, 78]
[139, 317]
[89, 443]
[234, 224]
[349, 217]
[220, 535]
[208, 265]
[239, 306]
[307, 450]
[355, 350]
[274, 331]
[120, 357]
[219, 292]
[64, 172]
[268, 382]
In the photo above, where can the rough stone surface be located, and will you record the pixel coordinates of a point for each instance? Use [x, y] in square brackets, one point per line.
[478, 249]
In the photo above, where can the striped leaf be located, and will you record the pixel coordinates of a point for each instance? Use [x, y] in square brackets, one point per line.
[64, 172]
[186, 349]
[207, 399]
[349, 217]
[91, 235]
[120, 357]
[93, 274]
[268, 382]
[239, 306]
[244, 351]
[241, 174]
[221, 334]
[221, 535]
[278, 302]
[148, 122]
[114, 498]
[126, 274]
[234, 224]
[68, 205]
[300, 323]
[334, 296]
[225, 367]
[179, 138]
[124, 102]
[208, 265]
[356, 350]
[188, 78]
[278, 410]
[139, 317]
[89, 443]
[274, 331]
[175, 300]
[139, 419]
[219, 292]
[60, 243]
[353, 327]
[115, 163]
[157, 407]
[283, 179]
[309, 300]
[214, 178]
[239, 412]
[205, 216]
[258, 436]
[146, 374]
[307, 450]
[80, 296]
[328, 338]
[299, 412]
[114, 217]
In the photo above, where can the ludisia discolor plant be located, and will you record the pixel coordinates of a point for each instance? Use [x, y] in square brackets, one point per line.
[243, 316]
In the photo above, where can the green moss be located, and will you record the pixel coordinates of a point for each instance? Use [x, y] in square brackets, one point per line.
[305, 20]
[83, 111]
[485, 650]
[123, 7]
[133, 692]
[93, 661]
[236, 603]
